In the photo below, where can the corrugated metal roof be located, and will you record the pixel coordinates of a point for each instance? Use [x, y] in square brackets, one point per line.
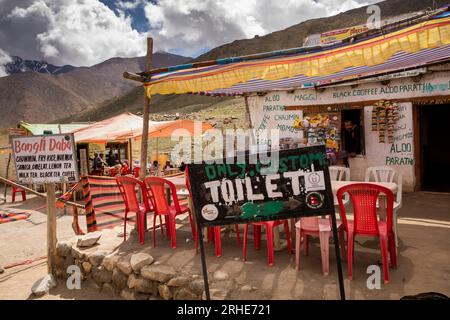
[41, 128]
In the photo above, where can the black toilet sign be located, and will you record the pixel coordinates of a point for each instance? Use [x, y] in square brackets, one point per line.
[228, 191]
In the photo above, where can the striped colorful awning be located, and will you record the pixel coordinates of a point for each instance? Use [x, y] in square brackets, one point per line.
[416, 45]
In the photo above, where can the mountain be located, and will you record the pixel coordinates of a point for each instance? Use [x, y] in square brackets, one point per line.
[18, 65]
[294, 36]
[44, 97]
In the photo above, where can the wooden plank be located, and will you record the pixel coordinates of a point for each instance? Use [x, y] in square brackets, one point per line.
[51, 226]
[7, 176]
[145, 115]
[42, 195]
[133, 76]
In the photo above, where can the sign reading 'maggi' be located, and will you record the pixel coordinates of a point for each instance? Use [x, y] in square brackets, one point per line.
[233, 192]
[45, 159]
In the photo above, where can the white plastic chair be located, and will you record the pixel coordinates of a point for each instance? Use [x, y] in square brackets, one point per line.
[388, 174]
[338, 173]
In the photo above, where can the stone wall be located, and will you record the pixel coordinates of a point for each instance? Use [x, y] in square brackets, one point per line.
[133, 276]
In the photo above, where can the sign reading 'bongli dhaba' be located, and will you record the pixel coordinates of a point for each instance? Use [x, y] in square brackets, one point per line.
[229, 192]
[45, 159]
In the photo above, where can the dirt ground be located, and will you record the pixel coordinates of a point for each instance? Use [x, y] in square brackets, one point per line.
[423, 263]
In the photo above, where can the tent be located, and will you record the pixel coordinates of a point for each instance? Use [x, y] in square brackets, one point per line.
[127, 126]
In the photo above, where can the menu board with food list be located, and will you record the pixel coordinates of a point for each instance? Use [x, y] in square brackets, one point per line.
[45, 159]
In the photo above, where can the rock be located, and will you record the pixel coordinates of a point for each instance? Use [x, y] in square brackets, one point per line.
[220, 275]
[142, 285]
[64, 248]
[96, 257]
[124, 264]
[161, 273]
[110, 261]
[68, 261]
[119, 279]
[140, 260]
[101, 276]
[86, 266]
[216, 294]
[89, 239]
[185, 294]
[197, 286]
[246, 288]
[108, 289]
[164, 292]
[2, 270]
[178, 282]
[78, 253]
[42, 286]
[128, 294]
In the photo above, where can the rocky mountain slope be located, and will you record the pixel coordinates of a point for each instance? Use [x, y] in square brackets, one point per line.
[44, 97]
[18, 65]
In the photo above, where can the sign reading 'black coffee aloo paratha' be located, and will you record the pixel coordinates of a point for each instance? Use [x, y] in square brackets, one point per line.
[229, 192]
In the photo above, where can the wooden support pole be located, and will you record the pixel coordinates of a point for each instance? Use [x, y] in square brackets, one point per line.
[51, 226]
[133, 76]
[7, 176]
[145, 114]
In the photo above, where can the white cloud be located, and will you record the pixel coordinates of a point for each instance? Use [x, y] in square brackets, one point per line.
[4, 59]
[195, 25]
[78, 32]
[129, 4]
[86, 32]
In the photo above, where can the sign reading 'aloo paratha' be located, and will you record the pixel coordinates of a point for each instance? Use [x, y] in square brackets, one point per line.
[229, 191]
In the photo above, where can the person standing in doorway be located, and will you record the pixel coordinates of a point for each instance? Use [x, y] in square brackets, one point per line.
[352, 141]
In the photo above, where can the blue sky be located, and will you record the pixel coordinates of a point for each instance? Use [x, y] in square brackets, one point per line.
[139, 22]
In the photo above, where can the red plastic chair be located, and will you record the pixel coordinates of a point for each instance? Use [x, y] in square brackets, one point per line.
[113, 172]
[213, 233]
[15, 190]
[125, 170]
[364, 197]
[317, 227]
[127, 187]
[269, 225]
[157, 188]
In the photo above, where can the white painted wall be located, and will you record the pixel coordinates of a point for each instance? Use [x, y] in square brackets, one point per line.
[380, 154]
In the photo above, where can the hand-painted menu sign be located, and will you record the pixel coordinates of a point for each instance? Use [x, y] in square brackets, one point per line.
[45, 159]
[434, 84]
[271, 115]
[229, 192]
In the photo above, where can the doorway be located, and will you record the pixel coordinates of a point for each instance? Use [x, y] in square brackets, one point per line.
[435, 147]
[353, 142]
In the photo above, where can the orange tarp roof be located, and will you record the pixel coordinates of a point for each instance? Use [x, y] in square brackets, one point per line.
[127, 125]
[159, 129]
